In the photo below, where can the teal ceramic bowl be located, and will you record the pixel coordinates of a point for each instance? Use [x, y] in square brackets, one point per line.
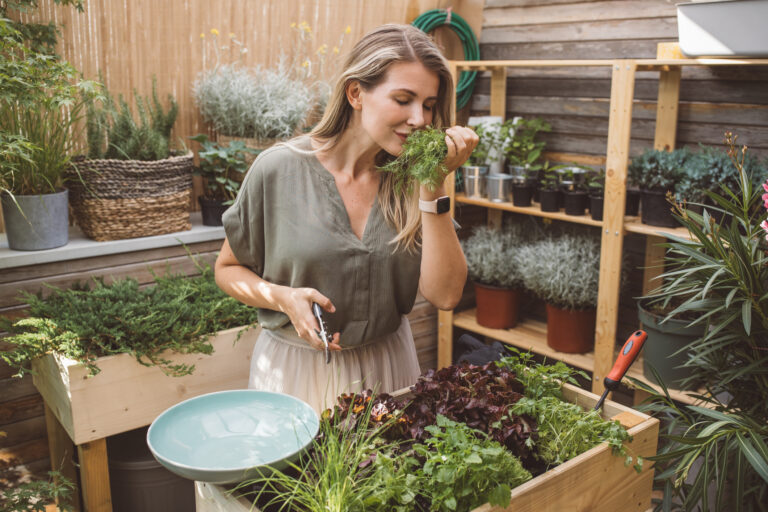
[226, 437]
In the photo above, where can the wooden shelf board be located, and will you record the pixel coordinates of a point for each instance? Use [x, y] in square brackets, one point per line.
[528, 210]
[641, 64]
[532, 335]
[634, 225]
[527, 335]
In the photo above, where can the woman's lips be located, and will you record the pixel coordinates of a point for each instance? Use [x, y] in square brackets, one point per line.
[402, 136]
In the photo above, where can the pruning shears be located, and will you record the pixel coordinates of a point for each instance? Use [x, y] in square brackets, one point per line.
[323, 332]
[627, 356]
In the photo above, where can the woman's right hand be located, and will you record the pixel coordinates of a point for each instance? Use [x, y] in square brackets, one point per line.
[297, 304]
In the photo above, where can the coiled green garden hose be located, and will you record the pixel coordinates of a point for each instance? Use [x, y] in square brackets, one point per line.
[434, 18]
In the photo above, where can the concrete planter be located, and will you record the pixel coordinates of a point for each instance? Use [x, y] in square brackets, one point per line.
[35, 223]
[723, 29]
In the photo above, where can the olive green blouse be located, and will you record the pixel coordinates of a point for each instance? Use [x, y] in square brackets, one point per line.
[289, 225]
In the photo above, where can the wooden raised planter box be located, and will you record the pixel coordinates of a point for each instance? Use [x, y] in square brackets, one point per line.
[595, 481]
[126, 395]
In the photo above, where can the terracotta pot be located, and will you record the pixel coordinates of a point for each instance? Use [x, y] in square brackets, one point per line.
[569, 331]
[496, 307]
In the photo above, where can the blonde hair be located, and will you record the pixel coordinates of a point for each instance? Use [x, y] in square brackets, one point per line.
[368, 63]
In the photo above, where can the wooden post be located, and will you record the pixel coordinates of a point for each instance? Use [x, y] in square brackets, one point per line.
[499, 91]
[62, 453]
[654, 263]
[619, 125]
[445, 318]
[94, 476]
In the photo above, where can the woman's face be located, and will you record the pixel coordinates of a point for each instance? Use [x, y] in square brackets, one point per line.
[404, 101]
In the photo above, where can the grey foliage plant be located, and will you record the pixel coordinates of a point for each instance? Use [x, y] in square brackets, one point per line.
[262, 103]
[563, 271]
[492, 255]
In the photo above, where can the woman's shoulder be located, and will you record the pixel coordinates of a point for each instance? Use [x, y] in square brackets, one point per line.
[284, 155]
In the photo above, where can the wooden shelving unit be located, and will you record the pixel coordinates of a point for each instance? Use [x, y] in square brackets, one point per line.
[532, 335]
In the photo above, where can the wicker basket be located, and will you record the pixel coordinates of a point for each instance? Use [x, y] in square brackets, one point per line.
[118, 199]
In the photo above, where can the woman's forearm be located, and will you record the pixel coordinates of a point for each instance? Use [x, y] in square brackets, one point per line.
[443, 267]
[241, 283]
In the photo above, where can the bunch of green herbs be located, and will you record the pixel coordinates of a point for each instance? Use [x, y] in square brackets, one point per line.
[421, 161]
[463, 468]
[349, 467]
[523, 147]
[565, 430]
[84, 323]
[222, 167]
[114, 134]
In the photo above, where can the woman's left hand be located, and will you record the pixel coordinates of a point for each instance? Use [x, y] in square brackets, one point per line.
[461, 142]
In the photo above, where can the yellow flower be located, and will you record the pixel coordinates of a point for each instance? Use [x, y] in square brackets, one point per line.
[214, 32]
[335, 49]
[305, 64]
[322, 49]
[293, 25]
[231, 35]
[202, 35]
[348, 29]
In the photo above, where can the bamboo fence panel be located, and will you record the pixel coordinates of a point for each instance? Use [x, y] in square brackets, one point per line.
[130, 42]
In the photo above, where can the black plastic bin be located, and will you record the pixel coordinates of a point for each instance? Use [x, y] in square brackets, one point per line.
[139, 483]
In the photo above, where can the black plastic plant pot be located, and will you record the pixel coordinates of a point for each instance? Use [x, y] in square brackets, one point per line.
[212, 210]
[548, 200]
[596, 207]
[522, 194]
[656, 210]
[576, 202]
[632, 204]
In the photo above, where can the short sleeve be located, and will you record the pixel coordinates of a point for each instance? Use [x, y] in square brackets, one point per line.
[244, 221]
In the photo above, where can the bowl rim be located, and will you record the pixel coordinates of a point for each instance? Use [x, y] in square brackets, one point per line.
[239, 468]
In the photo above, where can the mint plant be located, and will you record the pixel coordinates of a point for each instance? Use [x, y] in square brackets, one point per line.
[222, 167]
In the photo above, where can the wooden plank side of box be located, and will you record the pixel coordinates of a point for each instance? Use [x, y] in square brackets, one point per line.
[597, 480]
[126, 395]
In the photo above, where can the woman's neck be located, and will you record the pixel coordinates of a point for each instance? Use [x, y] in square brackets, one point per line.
[353, 154]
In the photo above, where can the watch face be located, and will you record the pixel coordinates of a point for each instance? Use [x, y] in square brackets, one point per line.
[443, 204]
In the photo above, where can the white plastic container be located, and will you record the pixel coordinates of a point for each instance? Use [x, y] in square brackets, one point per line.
[732, 28]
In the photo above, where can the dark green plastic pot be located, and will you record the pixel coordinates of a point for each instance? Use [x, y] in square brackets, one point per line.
[663, 341]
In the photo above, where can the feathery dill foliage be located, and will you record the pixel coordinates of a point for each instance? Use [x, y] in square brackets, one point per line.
[421, 160]
[564, 429]
[177, 313]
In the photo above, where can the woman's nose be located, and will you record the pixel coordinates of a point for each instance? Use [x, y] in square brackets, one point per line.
[416, 118]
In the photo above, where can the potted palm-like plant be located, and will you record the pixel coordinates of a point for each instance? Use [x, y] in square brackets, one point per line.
[657, 173]
[564, 273]
[493, 264]
[719, 276]
[42, 101]
[222, 168]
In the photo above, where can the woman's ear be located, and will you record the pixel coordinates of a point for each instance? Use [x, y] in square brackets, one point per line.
[354, 94]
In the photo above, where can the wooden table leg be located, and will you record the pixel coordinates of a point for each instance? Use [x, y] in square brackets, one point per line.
[62, 453]
[94, 476]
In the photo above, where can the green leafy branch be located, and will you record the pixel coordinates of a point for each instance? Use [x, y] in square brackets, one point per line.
[420, 162]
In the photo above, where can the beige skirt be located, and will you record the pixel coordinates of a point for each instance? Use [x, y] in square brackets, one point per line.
[285, 363]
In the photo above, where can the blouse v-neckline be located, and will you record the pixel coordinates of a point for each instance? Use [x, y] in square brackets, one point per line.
[335, 195]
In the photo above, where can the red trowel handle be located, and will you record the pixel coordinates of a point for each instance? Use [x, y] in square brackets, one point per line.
[627, 356]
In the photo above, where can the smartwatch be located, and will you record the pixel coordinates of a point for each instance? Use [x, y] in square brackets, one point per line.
[438, 206]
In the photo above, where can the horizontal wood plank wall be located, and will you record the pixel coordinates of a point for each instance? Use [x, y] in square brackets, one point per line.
[575, 101]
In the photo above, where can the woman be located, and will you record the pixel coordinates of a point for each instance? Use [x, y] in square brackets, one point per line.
[316, 221]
